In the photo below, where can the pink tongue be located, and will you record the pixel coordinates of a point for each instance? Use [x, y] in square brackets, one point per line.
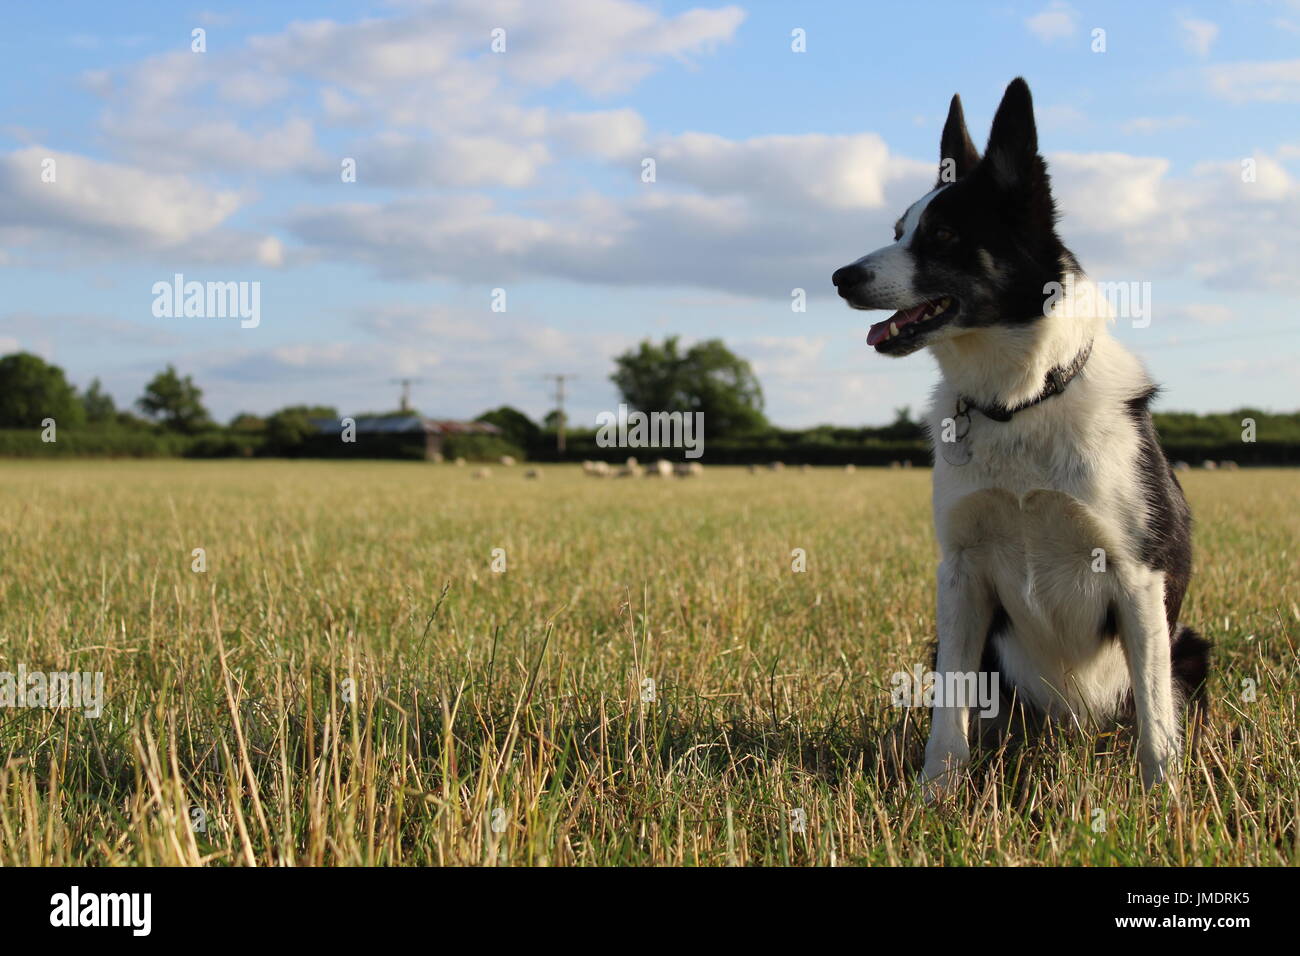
[880, 331]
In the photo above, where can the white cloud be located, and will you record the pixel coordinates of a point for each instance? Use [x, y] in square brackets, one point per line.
[401, 160]
[405, 323]
[839, 172]
[252, 89]
[1129, 219]
[450, 111]
[80, 331]
[218, 144]
[1062, 116]
[1198, 35]
[364, 55]
[339, 108]
[1271, 182]
[106, 201]
[1057, 21]
[785, 356]
[608, 134]
[160, 82]
[1275, 81]
[430, 113]
[602, 46]
[1108, 190]
[270, 252]
[1156, 124]
[759, 217]
[211, 18]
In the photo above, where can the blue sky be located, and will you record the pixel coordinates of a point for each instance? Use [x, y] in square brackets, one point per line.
[521, 170]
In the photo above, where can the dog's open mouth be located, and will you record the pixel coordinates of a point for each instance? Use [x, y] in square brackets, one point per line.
[906, 324]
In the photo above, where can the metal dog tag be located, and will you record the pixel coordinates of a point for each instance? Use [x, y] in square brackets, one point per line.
[958, 452]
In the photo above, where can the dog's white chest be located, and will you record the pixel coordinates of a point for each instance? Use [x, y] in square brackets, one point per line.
[1045, 558]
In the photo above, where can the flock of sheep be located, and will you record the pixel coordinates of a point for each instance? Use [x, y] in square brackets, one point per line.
[603, 469]
[634, 469]
[1209, 465]
[690, 469]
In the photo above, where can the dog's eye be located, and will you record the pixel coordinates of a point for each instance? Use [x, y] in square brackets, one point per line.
[944, 235]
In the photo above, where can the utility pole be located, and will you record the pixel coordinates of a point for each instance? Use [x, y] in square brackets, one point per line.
[559, 406]
[406, 384]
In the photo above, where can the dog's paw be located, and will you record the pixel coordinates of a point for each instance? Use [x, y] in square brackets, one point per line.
[1160, 774]
[942, 780]
[939, 790]
[1153, 773]
[1159, 762]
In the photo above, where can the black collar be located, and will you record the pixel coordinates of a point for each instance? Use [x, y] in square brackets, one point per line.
[1053, 384]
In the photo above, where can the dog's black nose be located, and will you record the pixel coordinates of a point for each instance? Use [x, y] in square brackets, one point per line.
[850, 275]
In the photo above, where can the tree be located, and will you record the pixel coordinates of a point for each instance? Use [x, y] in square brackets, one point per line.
[246, 423]
[99, 405]
[516, 427]
[125, 419]
[175, 402]
[32, 390]
[288, 428]
[706, 378]
[903, 428]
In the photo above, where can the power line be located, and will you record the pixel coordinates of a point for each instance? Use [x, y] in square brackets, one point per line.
[406, 384]
[559, 405]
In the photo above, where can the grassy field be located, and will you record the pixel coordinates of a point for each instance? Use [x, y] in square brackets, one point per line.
[350, 681]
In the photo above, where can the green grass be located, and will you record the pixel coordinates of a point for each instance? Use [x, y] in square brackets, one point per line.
[520, 692]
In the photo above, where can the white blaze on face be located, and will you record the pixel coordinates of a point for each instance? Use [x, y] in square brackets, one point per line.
[893, 268]
[912, 218]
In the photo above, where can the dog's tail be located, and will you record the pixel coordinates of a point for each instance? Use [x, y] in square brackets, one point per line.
[1190, 659]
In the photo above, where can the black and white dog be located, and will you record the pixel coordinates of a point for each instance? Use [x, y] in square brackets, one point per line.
[1065, 536]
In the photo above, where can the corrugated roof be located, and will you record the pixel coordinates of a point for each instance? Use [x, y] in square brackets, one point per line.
[406, 424]
[448, 427]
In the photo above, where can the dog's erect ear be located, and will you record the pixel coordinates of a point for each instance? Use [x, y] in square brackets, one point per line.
[1013, 142]
[957, 154]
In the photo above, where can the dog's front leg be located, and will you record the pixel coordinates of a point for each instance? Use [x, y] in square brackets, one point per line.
[1145, 634]
[965, 610]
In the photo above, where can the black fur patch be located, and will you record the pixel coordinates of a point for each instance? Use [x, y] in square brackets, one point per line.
[1110, 623]
[1167, 542]
[989, 239]
[989, 662]
[1191, 665]
[955, 145]
[1189, 656]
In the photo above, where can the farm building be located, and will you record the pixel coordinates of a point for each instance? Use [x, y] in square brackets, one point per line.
[404, 436]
